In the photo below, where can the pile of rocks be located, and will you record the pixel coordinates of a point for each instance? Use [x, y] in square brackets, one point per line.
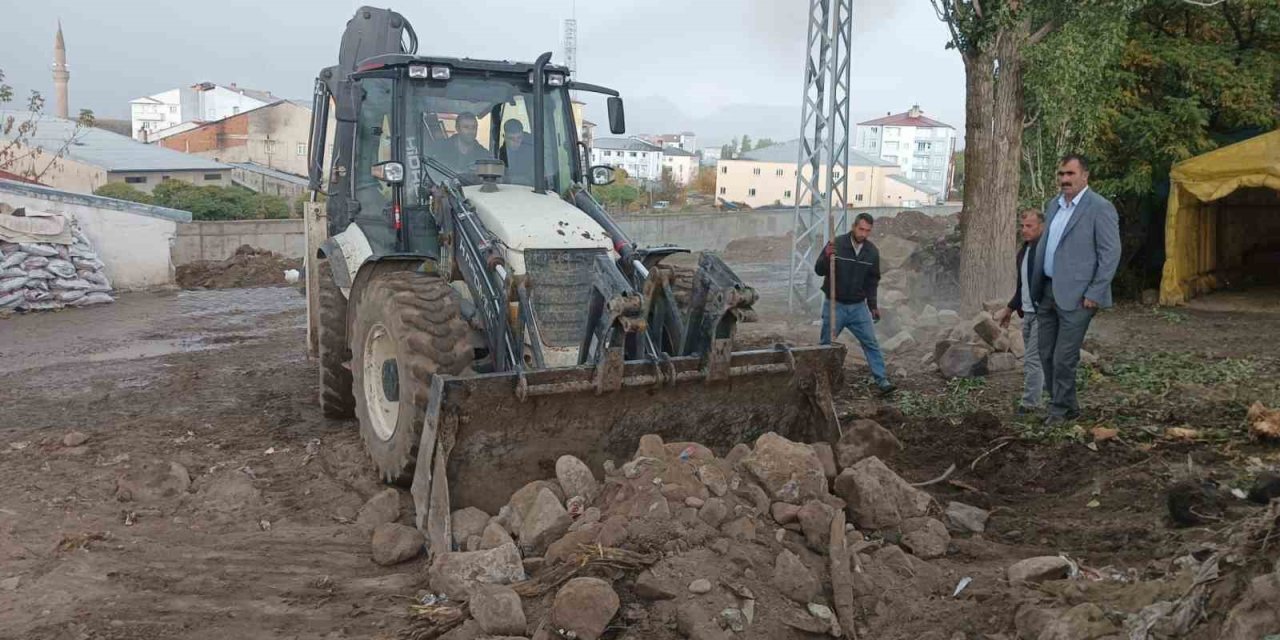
[978, 346]
[754, 543]
[41, 276]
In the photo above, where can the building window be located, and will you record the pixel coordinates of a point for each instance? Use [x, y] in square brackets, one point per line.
[786, 194]
[633, 154]
[235, 110]
[135, 180]
[778, 172]
[755, 172]
[302, 149]
[210, 177]
[751, 192]
[857, 198]
[923, 146]
[173, 108]
[724, 169]
[721, 190]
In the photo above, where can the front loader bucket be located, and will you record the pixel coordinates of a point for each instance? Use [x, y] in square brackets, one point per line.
[486, 436]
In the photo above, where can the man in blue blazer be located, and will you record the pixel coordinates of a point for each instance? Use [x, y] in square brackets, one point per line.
[1075, 260]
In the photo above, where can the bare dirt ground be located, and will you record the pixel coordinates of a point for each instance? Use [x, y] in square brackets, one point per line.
[262, 544]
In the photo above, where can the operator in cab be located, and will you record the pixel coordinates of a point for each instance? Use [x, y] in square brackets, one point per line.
[517, 153]
[461, 150]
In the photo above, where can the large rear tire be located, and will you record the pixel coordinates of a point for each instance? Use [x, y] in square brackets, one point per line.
[407, 327]
[336, 397]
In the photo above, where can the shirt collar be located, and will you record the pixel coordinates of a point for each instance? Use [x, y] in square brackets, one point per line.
[1062, 203]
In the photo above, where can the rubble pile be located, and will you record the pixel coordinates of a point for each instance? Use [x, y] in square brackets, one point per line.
[44, 276]
[247, 267]
[777, 540]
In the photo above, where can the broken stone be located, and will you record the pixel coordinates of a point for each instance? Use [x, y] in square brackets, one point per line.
[650, 587]
[878, 498]
[790, 471]
[394, 543]
[714, 479]
[583, 607]
[575, 478]
[1258, 612]
[793, 579]
[498, 610]
[733, 619]
[713, 512]
[827, 456]
[696, 623]
[902, 340]
[1039, 569]
[736, 454]
[473, 543]
[545, 521]
[694, 501]
[947, 317]
[457, 573]
[494, 536]
[806, 622]
[1017, 344]
[74, 439]
[1088, 359]
[998, 362]
[925, 537]
[964, 361]
[524, 497]
[382, 508]
[987, 329]
[815, 522]
[863, 439]
[967, 518]
[752, 492]
[784, 513]
[1085, 621]
[153, 481]
[700, 586]
[465, 523]
[743, 528]
[650, 446]
[567, 546]
[589, 516]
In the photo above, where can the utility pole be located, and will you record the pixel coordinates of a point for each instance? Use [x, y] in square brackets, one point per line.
[822, 168]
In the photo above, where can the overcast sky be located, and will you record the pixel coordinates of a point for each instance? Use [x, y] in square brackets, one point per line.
[693, 61]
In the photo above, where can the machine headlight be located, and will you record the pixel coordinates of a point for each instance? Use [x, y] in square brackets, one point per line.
[419, 71]
[441, 73]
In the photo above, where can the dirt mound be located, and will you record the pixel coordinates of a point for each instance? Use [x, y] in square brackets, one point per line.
[248, 267]
[914, 225]
[759, 248]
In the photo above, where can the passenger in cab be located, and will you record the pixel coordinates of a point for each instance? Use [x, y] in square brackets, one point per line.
[517, 153]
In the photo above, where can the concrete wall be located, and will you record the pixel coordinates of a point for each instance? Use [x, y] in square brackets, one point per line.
[696, 231]
[207, 240]
[146, 181]
[134, 240]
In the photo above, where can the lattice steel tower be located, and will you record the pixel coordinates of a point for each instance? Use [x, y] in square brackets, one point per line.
[822, 170]
[571, 45]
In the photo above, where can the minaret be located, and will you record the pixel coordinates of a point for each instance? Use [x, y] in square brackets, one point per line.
[60, 75]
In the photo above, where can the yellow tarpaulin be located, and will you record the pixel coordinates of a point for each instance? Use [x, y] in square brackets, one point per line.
[1191, 228]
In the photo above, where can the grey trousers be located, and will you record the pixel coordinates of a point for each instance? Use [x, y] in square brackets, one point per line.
[1061, 337]
[1032, 371]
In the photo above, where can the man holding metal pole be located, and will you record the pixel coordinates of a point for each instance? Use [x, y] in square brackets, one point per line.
[850, 270]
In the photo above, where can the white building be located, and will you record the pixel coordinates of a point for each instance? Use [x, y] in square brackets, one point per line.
[710, 155]
[641, 160]
[686, 140]
[204, 102]
[922, 147]
[682, 164]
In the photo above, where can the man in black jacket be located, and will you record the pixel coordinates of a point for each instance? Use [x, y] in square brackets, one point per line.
[857, 278]
[1032, 226]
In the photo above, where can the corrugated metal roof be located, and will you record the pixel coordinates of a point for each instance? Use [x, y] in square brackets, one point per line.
[624, 144]
[107, 150]
[676, 151]
[789, 152]
[913, 184]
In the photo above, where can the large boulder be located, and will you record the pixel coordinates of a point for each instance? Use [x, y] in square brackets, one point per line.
[925, 537]
[584, 607]
[878, 498]
[498, 610]
[383, 507]
[863, 439]
[987, 329]
[544, 521]
[465, 523]
[494, 536]
[964, 361]
[789, 471]
[902, 340]
[793, 579]
[575, 478]
[1039, 569]
[395, 543]
[965, 517]
[457, 573]
[999, 362]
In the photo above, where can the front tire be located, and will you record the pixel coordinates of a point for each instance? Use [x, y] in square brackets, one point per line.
[336, 397]
[407, 327]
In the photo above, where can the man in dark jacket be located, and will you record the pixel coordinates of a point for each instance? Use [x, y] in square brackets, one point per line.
[857, 278]
[1031, 227]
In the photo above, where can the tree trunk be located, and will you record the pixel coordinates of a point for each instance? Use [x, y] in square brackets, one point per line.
[993, 151]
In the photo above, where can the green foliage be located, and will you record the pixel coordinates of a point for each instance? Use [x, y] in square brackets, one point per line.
[1157, 373]
[620, 194]
[219, 203]
[961, 397]
[746, 144]
[122, 191]
[764, 142]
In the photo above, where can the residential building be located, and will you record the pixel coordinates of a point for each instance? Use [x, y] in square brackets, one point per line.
[92, 157]
[203, 102]
[767, 177]
[687, 140]
[641, 160]
[709, 155]
[261, 179]
[682, 165]
[901, 191]
[274, 136]
[921, 146]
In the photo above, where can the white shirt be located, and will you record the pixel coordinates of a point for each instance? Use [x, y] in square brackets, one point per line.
[1027, 306]
[1057, 227]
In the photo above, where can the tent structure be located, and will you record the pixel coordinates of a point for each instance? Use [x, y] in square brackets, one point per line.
[1223, 218]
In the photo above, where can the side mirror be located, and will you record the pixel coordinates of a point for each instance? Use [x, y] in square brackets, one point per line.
[602, 175]
[388, 172]
[346, 100]
[617, 115]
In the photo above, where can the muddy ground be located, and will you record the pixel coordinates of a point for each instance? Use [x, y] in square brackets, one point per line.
[217, 381]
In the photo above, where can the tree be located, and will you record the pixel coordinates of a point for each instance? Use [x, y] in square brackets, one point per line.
[764, 142]
[730, 150]
[620, 193]
[19, 154]
[705, 182]
[746, 144]
[219, 203]
[122, 191]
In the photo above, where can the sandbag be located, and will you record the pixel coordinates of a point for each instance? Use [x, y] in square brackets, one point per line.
[35, 262]
[38, 249]
[79, 251]
[13, 259]
[40, 274]
[72, 295]
[63, 283]
[10, 300]
[12, 284]
[36, 295]
[61, 268]
[48, 305]
[92, 299]
[13, 272]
